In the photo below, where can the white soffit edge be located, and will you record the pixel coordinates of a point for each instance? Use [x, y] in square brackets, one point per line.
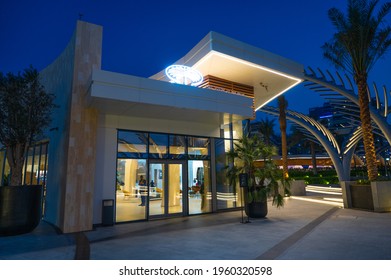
[218, 55]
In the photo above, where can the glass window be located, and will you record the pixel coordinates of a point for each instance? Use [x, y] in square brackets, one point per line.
[199, 189]
[198, 148]
[132, 144]
[130, 190]
[237, 130]
[227, 195]
[3, 171]
[177, 147]
[42, 164]
[34, 169]
[28, 168]
[158, 145]
[227, 131]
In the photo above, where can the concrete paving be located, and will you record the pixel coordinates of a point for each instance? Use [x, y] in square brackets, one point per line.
[302, 230]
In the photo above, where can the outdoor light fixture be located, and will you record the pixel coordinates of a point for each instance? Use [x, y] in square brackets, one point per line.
[184, 75]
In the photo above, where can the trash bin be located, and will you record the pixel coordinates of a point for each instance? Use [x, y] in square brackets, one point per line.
[107, 212]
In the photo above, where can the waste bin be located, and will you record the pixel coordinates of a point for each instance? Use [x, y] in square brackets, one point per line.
[107, 212]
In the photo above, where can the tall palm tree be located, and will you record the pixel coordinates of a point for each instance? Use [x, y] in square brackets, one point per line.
[313, 158]
[297, 137]
[266, 128]
[282, 105]
[361, 38]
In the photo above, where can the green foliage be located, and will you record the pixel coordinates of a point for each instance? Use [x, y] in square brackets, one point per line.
[266, 127]
[324, 177]
[25, 113]
[363, 182]
[361, 36]
[263, 182]
[25, 107]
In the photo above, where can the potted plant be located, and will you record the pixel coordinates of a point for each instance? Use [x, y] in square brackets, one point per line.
[263, 182]
[25, 112]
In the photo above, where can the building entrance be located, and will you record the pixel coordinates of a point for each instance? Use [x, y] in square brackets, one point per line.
[167, 194]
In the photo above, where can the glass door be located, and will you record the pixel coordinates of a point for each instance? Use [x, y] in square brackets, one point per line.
[166, 193]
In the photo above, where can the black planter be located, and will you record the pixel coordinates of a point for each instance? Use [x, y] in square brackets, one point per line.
[256, 210]
[20, 209]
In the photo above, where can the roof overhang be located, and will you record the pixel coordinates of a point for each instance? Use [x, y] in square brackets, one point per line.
[218, 55]
[126, 95]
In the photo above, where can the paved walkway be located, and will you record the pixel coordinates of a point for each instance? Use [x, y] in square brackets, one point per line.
[302, 230]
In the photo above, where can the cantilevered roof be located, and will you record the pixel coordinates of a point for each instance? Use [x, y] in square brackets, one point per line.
[218, 55]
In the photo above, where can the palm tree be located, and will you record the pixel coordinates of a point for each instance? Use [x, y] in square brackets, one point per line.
[360, 40]
[298, 137]
[263, 181]
[266, 128]
[313, 157]
[282, 105]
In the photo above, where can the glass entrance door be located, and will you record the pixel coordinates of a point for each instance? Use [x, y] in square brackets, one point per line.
[166, 193]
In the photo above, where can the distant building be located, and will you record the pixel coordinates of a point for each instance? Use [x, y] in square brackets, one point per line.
[332, 118]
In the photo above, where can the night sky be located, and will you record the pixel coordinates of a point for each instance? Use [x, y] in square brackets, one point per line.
[143, 37]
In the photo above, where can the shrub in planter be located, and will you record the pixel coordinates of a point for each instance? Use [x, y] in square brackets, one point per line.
[25, 112]
[263, 182]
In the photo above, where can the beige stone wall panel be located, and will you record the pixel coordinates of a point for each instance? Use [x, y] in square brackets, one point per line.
[72, 145]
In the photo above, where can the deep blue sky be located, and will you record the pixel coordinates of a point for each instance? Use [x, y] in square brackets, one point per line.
[143, 37]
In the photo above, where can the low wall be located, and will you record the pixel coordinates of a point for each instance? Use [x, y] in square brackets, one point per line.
[375, 197]
[298, 188]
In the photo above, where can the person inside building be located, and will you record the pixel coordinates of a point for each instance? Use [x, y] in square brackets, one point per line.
[143, 190]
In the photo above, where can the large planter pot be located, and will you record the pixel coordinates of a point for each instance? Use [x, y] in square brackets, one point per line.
[20, 209]
[256, 210]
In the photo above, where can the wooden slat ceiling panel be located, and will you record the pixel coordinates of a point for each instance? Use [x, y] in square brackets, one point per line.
[215, 83]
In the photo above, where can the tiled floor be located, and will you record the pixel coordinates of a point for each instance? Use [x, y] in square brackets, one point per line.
[301, 230]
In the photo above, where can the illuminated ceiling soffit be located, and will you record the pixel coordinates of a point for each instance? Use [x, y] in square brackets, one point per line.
[218, 55]
[267, 83]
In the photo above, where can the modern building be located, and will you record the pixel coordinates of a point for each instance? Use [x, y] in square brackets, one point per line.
[332, 118]
[151, 147]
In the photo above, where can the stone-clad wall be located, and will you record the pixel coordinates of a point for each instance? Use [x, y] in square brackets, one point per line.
[82, 132]
[72, 147]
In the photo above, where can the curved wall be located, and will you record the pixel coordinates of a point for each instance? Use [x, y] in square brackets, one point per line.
[70, 186]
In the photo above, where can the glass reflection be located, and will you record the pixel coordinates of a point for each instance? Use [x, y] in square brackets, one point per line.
[199, 189]
[130, 193]
[158, 144]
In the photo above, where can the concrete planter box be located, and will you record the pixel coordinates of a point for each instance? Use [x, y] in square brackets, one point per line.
[381, 192]
[375, 197]
[361, 196]
[298, 188]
